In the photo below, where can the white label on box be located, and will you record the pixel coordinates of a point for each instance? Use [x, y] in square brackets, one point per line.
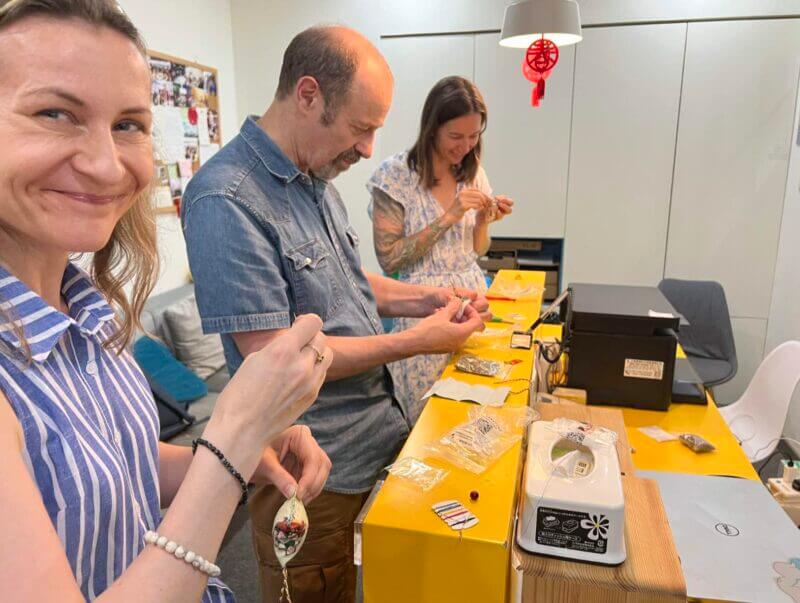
[644, 369]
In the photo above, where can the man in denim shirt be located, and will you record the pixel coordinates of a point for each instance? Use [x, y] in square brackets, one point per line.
[269, 239]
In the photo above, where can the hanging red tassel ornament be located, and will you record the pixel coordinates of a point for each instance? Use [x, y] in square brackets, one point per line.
[536, 78]
[540, 58]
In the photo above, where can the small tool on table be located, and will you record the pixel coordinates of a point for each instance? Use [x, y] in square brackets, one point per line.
[502, 320]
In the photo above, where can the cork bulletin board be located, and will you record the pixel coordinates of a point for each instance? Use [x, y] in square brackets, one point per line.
[186, 123]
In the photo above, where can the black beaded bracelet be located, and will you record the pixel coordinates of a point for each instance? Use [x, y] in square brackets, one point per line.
[225, 463]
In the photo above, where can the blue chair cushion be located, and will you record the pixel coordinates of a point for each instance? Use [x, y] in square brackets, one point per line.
[168, 377]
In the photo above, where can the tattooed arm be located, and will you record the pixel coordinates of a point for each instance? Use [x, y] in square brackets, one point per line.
[393, 249]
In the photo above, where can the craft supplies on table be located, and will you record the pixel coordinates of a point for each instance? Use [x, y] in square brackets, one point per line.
[401, 530]
[485, 367]
[417, 472]
[453, 389]
[455, 515]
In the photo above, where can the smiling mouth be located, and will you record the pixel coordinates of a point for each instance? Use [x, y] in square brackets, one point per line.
[88, 198]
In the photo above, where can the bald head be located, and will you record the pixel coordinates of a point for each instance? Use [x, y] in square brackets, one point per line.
[336, 57]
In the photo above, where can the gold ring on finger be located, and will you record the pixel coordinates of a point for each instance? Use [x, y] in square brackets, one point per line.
[320, 356]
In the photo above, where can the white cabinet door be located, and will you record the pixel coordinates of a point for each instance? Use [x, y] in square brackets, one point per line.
[626, 98]
[417, 64]
[526, 149]
[732, 157]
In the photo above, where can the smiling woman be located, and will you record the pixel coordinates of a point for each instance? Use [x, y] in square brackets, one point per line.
[84, 476]
[431, 210]
[75, 183]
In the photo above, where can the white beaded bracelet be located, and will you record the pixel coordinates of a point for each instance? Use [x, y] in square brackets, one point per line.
[190, 557]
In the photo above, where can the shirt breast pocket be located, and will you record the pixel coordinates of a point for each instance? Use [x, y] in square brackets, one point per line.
[316, 279]
[352, 251]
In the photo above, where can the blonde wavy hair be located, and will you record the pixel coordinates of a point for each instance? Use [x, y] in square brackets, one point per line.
[130, 255]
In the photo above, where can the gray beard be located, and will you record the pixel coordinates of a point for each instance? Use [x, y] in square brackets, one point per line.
[329, 171]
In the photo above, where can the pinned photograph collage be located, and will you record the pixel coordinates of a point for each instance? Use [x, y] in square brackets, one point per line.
[185, 123]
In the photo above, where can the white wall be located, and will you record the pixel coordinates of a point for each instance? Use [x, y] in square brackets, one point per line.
[730, 172]
[540, 150]
[784, 318]
[624, 116]
[199, 31]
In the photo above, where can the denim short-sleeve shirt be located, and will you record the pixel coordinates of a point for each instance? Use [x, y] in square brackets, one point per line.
[267, 243]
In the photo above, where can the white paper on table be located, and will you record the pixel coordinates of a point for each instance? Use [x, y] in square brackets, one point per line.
[658, 434]
[168, 133]
[207, 151]
[202, 125]
[454, 389]
[163, 197]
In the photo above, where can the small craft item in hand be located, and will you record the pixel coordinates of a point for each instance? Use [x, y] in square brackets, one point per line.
[289, 530]
[465, 301]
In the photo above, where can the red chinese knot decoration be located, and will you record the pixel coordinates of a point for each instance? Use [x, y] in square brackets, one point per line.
[540, 58]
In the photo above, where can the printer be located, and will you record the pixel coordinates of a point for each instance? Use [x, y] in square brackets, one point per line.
[621, 345]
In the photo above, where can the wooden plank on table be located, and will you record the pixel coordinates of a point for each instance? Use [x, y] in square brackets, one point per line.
[651, 572]
[610, 418]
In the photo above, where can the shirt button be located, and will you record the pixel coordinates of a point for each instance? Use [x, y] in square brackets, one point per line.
[307, 261]
[91, 367]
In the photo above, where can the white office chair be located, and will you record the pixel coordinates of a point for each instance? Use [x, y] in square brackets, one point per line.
[757, 418]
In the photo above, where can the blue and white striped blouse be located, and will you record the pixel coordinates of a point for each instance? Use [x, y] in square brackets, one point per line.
[90, 426]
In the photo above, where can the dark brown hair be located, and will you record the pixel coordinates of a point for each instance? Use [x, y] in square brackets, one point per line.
[451, 97]
[320, 53]
[130, 255]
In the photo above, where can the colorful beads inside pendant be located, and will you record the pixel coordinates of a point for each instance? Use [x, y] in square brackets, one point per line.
[289, 530]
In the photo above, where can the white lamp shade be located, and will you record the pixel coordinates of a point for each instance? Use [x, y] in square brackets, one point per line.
[558, 20]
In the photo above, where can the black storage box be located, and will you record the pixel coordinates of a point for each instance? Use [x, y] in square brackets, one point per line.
[622, 343]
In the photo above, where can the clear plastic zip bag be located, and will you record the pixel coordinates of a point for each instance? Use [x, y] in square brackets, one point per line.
[482, 439]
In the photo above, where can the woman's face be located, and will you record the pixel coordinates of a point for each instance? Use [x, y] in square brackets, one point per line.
[457, 137]
[75, 129]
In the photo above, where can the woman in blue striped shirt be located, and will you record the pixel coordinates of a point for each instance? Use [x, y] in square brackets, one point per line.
[82, 474]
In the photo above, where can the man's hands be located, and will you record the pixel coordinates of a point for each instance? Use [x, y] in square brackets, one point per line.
[292, 461]
[439, 297]
[442, 332]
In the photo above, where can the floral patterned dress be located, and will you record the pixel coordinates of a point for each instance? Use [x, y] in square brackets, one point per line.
[451, 261]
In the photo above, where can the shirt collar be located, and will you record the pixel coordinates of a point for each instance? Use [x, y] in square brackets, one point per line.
[42, 324]
[273, 158]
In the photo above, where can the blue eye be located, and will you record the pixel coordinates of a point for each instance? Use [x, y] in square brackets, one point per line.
[54, 114]
[129, 126]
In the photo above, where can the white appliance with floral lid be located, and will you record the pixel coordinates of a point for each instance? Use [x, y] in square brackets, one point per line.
[572, 505]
